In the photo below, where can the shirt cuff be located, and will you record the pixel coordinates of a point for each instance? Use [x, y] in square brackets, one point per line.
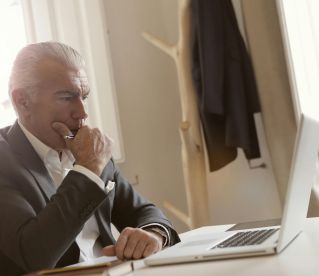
[164, 233]
[89, 174]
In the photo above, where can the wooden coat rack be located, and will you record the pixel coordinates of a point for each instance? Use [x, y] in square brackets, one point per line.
[193, 156]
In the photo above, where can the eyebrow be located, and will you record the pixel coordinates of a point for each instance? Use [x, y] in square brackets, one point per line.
[71, 93]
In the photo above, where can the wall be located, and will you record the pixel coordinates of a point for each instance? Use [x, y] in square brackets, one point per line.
[268, 55]
[149, 108]
[146, 88]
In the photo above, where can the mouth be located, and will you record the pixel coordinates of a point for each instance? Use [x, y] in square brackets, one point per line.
[74, 131]
[72, 135]
[76, 127]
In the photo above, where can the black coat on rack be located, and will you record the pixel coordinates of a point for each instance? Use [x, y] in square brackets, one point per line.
[225, 82]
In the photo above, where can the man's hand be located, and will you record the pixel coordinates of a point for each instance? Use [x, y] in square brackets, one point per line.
[90, 148]
[134, 243]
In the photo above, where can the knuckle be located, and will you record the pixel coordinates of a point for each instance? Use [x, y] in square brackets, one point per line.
[96, 131]
[85, 128]
[127, 254]
[147, 252]
[151, 237]
[130, 246]
[122, 240]
[153, 241]
[127, 230]
[139, 232]
[137, 255]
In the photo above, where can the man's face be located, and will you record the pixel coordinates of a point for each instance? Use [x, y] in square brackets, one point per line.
[60, 97]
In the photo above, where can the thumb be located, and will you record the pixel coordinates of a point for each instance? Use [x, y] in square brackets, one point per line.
[61, 128]
[109, 250]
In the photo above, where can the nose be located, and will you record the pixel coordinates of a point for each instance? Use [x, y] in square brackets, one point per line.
[79, 112]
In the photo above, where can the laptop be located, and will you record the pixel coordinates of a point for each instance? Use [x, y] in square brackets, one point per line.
[265, 240]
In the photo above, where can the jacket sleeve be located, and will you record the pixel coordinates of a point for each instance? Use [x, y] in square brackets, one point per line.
[133, 210]
[35, 234]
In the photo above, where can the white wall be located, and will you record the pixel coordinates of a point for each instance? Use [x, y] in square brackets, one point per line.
[149, 108]
[147, 95]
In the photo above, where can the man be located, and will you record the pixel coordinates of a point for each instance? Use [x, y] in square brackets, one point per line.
[59, 188]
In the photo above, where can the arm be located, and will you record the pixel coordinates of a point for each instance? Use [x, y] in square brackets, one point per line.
[35, 233]
[130, 209]
[35, 236]
[130, 213]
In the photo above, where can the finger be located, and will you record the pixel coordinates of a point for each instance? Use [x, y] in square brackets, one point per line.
[139, 249]
[150, 249]
[108, 139]
[109, 145]
[64, 131]
[109, 250]
[134, 238]
[61, 128]
[121, 243]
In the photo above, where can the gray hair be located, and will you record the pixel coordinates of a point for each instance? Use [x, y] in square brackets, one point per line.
[30, 57]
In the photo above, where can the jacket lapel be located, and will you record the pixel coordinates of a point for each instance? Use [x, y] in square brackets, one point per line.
[103, 213]
[106, 236]
[30, 160]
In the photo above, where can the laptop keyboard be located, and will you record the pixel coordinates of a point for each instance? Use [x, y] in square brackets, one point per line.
[246, 238]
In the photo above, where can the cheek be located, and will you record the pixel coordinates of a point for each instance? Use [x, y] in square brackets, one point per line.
[44, 115]
[57, 114]
[60, 111]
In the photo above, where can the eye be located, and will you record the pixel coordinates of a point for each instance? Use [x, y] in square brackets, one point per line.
[84, 97]
[67, 98]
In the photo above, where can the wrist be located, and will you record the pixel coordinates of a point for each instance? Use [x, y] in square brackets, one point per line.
[94, 168]
[159, 233]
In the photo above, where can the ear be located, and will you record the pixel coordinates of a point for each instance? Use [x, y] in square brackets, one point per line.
[21, 101]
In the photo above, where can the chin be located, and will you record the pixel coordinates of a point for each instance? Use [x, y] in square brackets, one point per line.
[59, 145]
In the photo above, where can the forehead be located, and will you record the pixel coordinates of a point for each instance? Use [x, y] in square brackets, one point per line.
[54, 75]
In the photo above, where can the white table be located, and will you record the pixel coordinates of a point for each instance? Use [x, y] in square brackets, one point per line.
[300, 258]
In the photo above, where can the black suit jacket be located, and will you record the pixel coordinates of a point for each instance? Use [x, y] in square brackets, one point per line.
[39, 223]
[225, 82]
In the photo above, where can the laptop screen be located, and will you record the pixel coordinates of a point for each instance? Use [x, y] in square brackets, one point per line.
[302, 172]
